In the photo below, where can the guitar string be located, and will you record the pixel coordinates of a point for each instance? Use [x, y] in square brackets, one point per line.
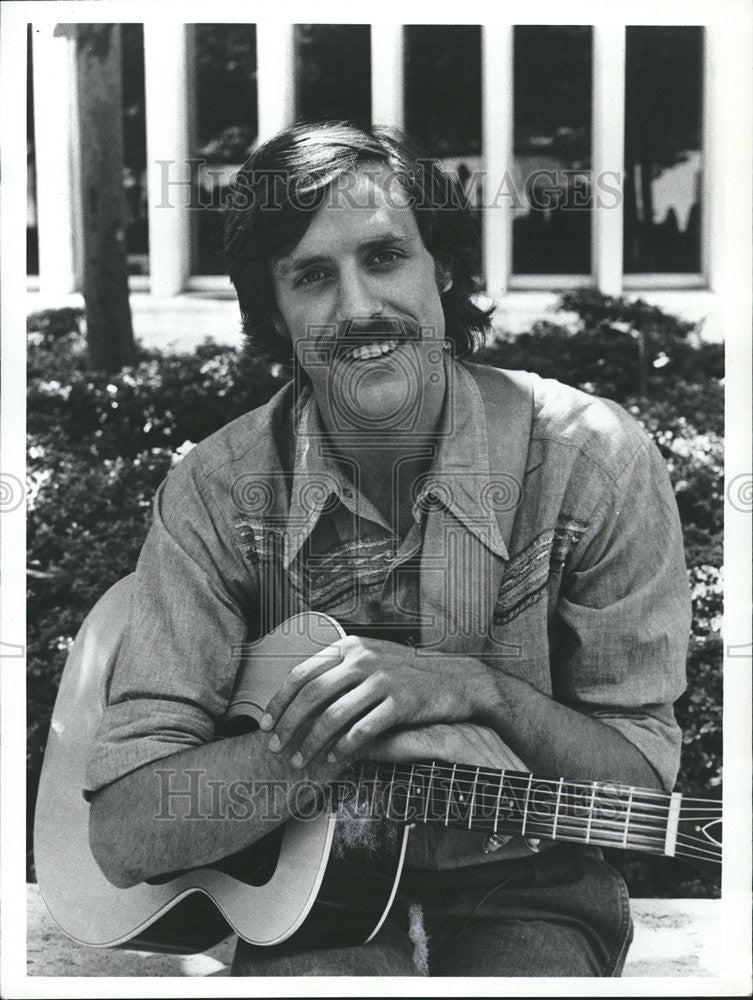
[618, 822]
[700, 845]
[572, 825]
[523, 778]
[518, 779]
[635, 824]
[486, 796]
[711, 806]
[708, 851]
[636, 837]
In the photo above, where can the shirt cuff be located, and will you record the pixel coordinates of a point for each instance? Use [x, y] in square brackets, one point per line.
[658, 737]
[141, 730]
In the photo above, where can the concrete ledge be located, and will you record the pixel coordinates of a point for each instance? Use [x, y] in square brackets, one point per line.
[673, 937]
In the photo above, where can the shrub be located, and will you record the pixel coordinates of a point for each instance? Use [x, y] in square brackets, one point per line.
[100, 445]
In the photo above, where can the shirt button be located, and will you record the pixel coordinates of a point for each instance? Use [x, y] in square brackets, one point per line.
[348, 493]
[389, 555]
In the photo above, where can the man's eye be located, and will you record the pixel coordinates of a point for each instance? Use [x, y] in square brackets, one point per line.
[385, 257]
[312, 276]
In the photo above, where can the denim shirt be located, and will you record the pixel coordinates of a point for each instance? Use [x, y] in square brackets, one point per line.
[545, 541]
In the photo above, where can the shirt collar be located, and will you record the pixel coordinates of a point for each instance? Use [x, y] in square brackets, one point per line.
[319, 485]
[459, 480]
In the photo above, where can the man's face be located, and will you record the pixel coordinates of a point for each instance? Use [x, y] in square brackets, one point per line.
[361, 304]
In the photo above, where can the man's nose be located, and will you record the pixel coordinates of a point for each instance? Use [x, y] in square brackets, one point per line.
[358, 297]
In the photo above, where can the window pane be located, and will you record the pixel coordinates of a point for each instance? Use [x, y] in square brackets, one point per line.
[443, 88]
[32, 234]
[226, 128]
[134, 147]
[663, 160]
[443, 100]
[333, 72]
[552, 150]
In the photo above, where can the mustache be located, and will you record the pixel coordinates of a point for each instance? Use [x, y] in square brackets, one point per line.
[353, 332]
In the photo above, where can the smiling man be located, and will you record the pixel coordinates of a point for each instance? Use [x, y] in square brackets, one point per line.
[503, 552]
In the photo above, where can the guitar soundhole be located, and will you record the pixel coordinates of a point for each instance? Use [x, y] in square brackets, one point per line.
[253, 865]
[256, 864]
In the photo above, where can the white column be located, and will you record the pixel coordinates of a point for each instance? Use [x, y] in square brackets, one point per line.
[497, 143]
[168, 152]
[387, 75]
[275, 76]
[57, 149]
[608, 160]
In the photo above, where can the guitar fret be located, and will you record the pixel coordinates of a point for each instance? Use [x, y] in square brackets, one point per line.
[392, 789]
[673, 818]
[525, 807]
[591, 813]
[627, 817]
[428, 793]
[499, 798]
[407, 797]
[449, 796]
[473, 798]
[557, 808]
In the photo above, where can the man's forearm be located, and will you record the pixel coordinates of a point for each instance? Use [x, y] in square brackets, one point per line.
[554, 739]
[196, 806]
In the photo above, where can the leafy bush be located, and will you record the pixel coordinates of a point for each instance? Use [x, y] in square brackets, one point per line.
[100, 445]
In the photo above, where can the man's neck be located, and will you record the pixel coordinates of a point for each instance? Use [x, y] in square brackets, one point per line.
[387, 475]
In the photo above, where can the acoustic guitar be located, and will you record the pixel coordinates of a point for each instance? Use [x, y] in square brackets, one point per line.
[295, 884]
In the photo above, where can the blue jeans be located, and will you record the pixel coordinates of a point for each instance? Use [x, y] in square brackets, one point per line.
[564, 912]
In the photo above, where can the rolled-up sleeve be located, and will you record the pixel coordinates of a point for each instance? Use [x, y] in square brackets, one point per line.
[189, 605]
[625, 607]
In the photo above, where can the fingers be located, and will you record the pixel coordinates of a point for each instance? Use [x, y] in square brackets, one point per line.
[345, 715]
[364, 730]
[301, 674]
[413, 743]
[310, 700]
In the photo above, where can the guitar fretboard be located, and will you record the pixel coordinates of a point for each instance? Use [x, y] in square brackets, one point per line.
[605, 814]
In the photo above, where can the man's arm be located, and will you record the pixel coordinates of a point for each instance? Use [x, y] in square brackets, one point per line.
[192, 597]
[196, 807]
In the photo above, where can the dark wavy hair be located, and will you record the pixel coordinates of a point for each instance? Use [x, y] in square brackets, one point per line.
[277, 191]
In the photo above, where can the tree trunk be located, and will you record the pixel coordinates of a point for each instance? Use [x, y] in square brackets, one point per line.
[108, 315]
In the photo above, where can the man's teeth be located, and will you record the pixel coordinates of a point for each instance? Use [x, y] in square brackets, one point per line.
[364, 351]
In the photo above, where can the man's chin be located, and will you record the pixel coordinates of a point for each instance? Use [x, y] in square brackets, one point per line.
[374, 394]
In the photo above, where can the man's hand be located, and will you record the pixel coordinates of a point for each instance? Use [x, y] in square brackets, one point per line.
[457, 743]
[357, 689]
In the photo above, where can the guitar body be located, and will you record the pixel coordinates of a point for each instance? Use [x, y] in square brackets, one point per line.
[265, 894]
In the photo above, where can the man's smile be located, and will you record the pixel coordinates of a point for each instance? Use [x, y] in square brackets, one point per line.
[375, 349]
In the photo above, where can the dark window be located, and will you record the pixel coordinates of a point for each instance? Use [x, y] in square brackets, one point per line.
[663, 158]
[333, 72]
[224, 99]
[443, 88]
[134, 147]
[443, 100]
[552, 150]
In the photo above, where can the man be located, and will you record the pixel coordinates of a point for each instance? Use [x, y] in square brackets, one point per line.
[519, 537]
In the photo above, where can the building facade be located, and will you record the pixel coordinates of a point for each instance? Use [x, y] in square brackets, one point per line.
[592, 155]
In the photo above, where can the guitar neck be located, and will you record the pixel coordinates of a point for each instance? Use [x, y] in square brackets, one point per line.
[605, 814]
